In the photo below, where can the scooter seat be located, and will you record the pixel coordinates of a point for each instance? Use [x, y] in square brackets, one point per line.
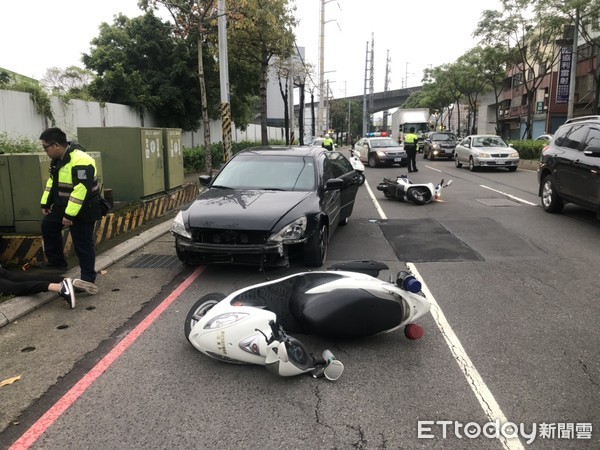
[346, 313]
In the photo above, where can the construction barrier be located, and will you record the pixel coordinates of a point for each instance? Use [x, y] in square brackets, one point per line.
[21, 250]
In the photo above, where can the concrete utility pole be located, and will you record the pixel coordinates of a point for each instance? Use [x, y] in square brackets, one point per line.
[372, 73]
[365, 112]
[224, 80]
[386, 87]
[573, 80]
[321, 69]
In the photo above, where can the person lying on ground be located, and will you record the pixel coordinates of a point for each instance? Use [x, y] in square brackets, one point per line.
[21, 283]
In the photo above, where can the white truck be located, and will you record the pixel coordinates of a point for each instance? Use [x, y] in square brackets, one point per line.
[404, 119]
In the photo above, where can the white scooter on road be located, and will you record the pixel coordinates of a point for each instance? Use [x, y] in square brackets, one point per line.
[357, 165]
[347, 301]
[406, 191]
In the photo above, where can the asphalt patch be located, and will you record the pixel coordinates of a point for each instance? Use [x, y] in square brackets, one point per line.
[425, 240]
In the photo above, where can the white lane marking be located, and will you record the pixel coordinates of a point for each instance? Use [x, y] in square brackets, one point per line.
[508, 195]
[482, 393]
[375, 202]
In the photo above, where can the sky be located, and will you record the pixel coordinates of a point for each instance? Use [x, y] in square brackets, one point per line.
[39, 34]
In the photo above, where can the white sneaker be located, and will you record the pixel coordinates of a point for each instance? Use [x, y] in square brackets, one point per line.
[85, 286]
[67, 292]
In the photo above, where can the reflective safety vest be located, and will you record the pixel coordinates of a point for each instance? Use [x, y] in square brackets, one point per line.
[73, 186]
[410, 138]
[327, 143]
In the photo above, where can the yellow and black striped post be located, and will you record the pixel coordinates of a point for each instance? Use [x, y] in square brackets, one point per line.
[226, 119]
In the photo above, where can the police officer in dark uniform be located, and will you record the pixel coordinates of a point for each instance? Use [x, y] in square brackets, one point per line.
[71, 199]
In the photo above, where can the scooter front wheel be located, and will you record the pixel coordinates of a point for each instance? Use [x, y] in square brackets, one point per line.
[200, 308]
[419, 195]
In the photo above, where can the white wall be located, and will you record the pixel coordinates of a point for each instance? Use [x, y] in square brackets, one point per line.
[19, 119]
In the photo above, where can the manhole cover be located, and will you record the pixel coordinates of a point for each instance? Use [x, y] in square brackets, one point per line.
[155, 262]
[496, 202]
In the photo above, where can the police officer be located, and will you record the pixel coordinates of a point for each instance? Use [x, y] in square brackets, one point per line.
[327, 143]
[410, 145]
[70, 199]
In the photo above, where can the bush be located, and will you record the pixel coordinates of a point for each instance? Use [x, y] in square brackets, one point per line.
[23, 145]
[528, 149]
[194, 161]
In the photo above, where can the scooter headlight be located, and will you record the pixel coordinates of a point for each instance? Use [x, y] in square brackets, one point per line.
[224, 320]
[291, 233]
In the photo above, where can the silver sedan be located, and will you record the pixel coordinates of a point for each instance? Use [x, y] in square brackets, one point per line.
[479, 150]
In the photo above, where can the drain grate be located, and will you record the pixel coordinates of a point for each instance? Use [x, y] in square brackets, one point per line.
[155, 262]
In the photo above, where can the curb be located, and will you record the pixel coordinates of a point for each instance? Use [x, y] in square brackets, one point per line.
[16, 307]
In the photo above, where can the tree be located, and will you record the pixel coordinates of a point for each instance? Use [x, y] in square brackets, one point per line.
[533, 40]
[583, 15]
[192, 19]
[471, 81]
[492, 62]
[5, 78]
[72, 80]
[139, 62]
[338, 115]
[259, 30]
[436, 94]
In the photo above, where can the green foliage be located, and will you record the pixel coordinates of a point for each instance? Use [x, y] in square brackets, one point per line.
[193, 157]
[338, 116]
[23, 145]
[528, 149]
[141, 63]
[40, 98]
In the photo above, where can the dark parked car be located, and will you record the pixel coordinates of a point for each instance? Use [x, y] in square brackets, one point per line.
[379, 151]
[439, 144]
[570, 166]
[264, 204]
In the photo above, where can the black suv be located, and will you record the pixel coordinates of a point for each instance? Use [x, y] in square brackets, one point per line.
[439, 144]
[570, 166]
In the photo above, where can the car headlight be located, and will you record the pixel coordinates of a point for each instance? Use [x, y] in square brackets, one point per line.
[484, 155]
[514, 155]
[178, 228]
[381, 154]
[436, 146]
[224, 320]
[291, 233]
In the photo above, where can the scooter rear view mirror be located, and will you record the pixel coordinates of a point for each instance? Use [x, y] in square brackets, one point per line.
[449, 183]
[334, 370]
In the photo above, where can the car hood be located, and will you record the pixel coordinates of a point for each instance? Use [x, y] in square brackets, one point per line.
[242, 209]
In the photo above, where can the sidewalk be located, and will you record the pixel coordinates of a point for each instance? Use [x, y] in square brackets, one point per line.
[16, 307]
